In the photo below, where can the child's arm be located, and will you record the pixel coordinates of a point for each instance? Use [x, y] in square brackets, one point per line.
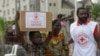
[19, 34]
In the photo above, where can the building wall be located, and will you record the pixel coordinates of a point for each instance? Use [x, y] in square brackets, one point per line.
[24, 5]
[53, 7]
[43, 5]
[57, 6]
[8, 8]
[1, 7]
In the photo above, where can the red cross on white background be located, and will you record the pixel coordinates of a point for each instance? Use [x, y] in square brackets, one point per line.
[35, 16]
[82, 39]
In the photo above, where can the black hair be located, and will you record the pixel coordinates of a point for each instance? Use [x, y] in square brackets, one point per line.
[60, 15]
[31, 33]
[54, 21]
[82, 8]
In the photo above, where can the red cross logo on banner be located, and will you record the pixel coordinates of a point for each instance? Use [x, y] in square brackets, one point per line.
[35, 16]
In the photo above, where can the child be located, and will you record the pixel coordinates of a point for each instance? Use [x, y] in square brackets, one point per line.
[37, 48]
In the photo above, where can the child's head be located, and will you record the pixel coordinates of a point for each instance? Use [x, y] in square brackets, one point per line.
[35, 37]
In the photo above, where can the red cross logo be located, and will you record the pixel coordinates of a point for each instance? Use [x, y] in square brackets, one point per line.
[82, 39]
[35, 16]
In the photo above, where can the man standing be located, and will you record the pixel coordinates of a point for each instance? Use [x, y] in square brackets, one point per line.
[84, 34]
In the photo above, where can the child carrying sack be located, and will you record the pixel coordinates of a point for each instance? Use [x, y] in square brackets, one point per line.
[13, 51]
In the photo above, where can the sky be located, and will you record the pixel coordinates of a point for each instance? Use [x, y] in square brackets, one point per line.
[95, 1]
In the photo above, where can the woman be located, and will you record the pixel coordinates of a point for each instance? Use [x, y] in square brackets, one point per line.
[56, 45]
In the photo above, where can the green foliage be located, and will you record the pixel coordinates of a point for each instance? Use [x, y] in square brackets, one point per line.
[9, 24]
[2, 34]
[2, 27]
[95, 10]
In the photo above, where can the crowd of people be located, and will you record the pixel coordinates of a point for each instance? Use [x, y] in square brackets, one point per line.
[84, 34]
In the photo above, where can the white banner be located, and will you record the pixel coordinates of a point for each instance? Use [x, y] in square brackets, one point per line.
[35, 20]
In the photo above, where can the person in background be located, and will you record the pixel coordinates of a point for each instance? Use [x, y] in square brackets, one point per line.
[71, 18]
[16, 37]
[64, 29]
[84, 34]
[12, 39]
[56, 44]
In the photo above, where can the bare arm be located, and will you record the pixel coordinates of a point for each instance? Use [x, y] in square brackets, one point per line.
[48, 38]
[97, 36]
[71, 41]
[19, 34]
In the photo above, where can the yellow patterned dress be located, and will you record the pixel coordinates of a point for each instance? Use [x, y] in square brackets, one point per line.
[55, 46]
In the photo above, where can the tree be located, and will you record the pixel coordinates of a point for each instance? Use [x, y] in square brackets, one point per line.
[96, 10]
[2, 35]
[9, 24]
